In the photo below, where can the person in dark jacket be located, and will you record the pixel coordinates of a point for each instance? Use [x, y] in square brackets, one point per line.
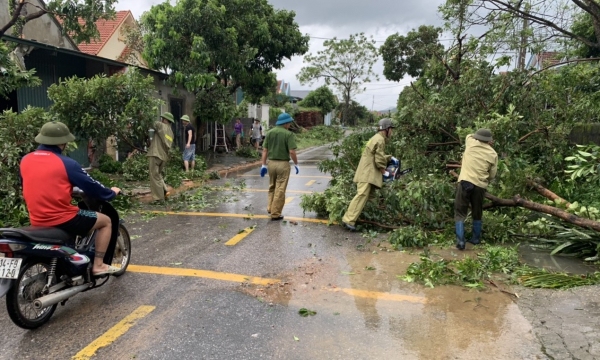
[48, 181]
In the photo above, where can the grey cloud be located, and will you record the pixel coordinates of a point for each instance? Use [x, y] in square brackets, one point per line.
[363, 14]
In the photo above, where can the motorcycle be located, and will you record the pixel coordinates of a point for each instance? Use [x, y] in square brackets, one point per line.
[41, 267]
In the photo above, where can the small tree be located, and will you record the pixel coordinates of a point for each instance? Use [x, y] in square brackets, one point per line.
[122, 105]
[321, 98]
[346, 64]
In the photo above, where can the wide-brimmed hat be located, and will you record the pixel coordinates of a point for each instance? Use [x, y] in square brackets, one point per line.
[54, 133]
[484, 135]
[284, 119]
[168, 116]
[185, 118]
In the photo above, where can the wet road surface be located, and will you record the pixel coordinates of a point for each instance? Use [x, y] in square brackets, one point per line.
[217, 279]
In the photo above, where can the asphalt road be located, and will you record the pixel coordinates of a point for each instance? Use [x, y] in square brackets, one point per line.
[198, 289]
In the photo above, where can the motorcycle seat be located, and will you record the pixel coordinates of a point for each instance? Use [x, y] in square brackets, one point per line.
[49, 235]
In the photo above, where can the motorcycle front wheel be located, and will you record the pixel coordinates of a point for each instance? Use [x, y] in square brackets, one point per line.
[122, 251]
[28, 287]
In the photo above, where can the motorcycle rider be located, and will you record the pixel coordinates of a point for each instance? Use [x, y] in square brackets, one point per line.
[48, 181]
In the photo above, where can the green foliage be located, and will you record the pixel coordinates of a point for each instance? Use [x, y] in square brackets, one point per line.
[410, 54]
[321, 98]
[247, 152]
[414, 236]
[344, 63]
[468, 271]
[110, 166]
[215, 103]
[274, 113]
[13, 76]
[585, 164]
[78, 18]
[17, 133]
[121, 203]
[540, 278]
[122, 105]
[136, 168]
[230, 42]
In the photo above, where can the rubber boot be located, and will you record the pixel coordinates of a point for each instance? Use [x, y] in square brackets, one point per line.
[460, 235]
[476, 239]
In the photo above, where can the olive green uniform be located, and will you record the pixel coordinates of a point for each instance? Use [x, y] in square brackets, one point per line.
[368, 176]
[278, 142]
[479, 167]
[158, 154]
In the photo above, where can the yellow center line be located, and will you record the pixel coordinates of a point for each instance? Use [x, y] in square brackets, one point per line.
[236, 239]
[113, 333]
[293, 176]
[201, 274]
[311, 182]
[289, 200]
[380, 295]
[320, 221]
[263, 190]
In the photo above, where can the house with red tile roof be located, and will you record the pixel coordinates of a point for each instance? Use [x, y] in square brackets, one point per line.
[111, 42]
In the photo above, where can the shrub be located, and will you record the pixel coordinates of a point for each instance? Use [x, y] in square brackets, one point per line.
[17, 133]
[110, 166]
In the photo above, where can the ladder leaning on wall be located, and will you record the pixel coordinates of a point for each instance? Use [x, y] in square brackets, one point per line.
[220, 137]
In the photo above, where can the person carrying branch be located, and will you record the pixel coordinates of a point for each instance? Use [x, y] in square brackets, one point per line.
[479, 166]
[372, 166]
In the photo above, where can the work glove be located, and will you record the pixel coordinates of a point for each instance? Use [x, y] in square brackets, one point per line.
[395, 161]
[386, 173]
[297, 170]
[263, 171]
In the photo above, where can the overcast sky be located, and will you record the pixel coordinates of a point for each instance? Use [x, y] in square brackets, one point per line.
[340, 18]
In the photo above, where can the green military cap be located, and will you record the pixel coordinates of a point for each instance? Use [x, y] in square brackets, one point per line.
[54, 133]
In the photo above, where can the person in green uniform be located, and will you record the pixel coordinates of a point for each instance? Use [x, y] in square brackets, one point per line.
[370, 172]
[479, 167]
[158, 155]
[279, 146]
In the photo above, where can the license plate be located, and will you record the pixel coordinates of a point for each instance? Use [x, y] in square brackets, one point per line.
[9, 268]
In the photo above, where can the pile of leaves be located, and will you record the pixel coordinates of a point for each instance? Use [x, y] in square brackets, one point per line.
[469, 272]
[247, 152]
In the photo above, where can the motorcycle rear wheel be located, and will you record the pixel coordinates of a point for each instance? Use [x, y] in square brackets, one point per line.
[122, 251]
[28, 287]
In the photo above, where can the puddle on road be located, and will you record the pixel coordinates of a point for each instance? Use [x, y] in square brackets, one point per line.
[453, 322]
[560, 263]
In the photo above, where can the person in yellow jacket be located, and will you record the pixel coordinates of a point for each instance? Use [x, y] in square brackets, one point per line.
[479, 166]
[370, 171]
[158, 155]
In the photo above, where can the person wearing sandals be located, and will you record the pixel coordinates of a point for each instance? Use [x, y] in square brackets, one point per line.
[479, 167]
[48, 179]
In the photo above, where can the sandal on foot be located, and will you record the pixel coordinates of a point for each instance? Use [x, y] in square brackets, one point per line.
[111, 270]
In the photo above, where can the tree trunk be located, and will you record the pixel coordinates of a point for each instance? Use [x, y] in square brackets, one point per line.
[98, 149]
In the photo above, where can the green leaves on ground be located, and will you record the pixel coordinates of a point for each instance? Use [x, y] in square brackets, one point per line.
[467, 271]
[304, 312]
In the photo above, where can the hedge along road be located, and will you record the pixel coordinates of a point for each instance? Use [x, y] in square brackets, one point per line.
[230, 286]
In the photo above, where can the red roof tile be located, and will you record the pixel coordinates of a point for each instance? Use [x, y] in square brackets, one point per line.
[106, 28]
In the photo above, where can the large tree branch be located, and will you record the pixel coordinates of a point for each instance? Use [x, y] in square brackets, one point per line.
[15, 17]
[563, 63]
[515, 10]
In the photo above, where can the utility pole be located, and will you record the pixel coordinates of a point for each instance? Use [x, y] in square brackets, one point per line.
[373, 103]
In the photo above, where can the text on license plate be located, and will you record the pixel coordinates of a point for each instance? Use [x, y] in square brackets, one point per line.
[9, 267]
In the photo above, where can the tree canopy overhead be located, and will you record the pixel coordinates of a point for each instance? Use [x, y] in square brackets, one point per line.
[344, 63]
[229, 42]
